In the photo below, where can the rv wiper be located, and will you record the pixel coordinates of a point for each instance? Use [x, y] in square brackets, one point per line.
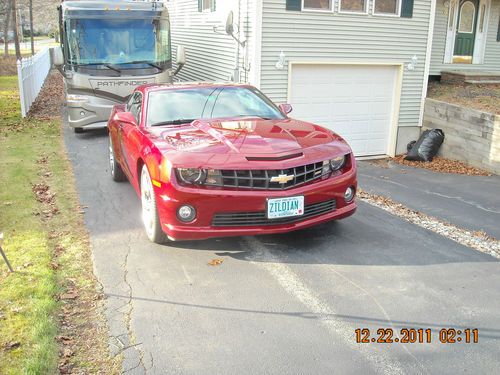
[145, 62]
[175, 122]
[103, 64]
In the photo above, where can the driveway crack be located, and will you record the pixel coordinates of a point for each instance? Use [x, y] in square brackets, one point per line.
[128, 313]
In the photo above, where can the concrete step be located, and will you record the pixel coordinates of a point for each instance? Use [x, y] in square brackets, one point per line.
[477, 77]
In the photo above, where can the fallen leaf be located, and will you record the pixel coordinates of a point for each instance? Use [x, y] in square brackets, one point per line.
[69, 295]
[12, 345]
[215, 262]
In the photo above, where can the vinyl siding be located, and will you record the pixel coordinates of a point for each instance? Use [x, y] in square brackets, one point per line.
[211, 56]
[334, 37]
[492, 51]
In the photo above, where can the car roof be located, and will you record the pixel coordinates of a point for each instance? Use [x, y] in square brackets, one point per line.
[186, 85]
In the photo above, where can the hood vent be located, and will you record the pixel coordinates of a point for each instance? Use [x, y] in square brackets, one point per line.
[274, 158]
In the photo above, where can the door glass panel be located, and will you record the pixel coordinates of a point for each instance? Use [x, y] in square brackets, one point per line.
[481, 20]
[467, 13]
[452, 15]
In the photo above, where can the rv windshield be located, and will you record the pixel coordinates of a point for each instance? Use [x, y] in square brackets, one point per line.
[118, 41]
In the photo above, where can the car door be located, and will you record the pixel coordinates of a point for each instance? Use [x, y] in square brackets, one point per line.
[128, 136]
[466, 27]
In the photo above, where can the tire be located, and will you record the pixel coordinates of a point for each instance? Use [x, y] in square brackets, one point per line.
[78, 130]
[150, 216]
[115, 168]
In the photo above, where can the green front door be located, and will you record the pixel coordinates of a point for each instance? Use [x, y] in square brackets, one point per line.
[466, 28]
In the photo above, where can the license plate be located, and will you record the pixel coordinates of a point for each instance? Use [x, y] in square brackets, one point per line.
[285, 207]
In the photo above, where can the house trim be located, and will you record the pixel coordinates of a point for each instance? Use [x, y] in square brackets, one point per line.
[256, 70]
[427, 65]
[398, 83]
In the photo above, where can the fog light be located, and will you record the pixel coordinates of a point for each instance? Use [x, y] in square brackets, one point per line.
[186, 213]
[349, 194]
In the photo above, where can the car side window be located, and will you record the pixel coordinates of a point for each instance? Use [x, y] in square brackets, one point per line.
[136, 105]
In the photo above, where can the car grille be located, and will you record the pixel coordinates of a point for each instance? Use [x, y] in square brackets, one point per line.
[238, 219]
[261, 179]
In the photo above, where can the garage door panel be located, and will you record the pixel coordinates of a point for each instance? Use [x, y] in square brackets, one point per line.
[357, 102]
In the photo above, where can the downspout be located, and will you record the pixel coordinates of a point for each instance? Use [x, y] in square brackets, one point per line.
[427, 65]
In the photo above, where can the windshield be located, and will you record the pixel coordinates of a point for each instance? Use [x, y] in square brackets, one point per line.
[185, 105]
[117, 41]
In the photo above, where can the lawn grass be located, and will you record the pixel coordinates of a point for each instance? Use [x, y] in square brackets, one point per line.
[47, 246]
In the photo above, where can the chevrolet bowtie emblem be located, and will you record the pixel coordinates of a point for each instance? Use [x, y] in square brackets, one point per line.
[282, 178]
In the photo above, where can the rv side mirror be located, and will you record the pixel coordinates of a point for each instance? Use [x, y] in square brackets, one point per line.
[230, 24]
[285, 108]
[57, 56]
[181, 56]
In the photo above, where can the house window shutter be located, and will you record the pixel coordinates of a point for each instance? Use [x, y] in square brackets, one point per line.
[407, 8]
[293, 5]
[212, 7]
[498, 32]
[200, 5]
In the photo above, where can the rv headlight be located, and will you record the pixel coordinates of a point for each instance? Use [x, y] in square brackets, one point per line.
[192, 175]
[71, 98]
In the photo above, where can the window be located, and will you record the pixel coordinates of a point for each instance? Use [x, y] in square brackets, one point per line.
[467, 14]
[206, 5]
[355, 6]
[135, 106]
[170, 106]
[387, 7]
[317, 4]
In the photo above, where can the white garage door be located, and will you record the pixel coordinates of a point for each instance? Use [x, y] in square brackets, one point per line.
[357, 102]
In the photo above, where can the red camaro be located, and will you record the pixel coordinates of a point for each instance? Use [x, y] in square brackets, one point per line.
[213, 160]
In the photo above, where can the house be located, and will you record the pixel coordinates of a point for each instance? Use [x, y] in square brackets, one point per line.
[359, 67]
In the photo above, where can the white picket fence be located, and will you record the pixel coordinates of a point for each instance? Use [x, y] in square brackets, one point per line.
[31, 74]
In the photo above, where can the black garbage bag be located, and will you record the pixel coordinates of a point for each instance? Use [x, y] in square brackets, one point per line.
[426, 147]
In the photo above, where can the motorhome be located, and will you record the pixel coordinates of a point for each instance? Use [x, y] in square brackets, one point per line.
[107, 49]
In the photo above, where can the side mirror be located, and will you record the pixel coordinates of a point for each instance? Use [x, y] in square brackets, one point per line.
[57, 56]
[180, 59]
[230, 23]
[181, 56]
[285, 108]
[125, 118]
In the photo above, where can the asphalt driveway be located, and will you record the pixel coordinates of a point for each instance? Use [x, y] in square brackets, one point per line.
[283, 303]
[471, 202]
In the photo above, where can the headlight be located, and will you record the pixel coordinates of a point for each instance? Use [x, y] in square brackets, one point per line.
[192, 175]
[71, 98]
[337, 163]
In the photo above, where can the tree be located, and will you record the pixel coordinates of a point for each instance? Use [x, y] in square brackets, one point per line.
[6, 12]
[31, 28]
[15, 28]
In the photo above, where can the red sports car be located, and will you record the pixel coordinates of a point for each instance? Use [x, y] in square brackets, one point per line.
[213, 160]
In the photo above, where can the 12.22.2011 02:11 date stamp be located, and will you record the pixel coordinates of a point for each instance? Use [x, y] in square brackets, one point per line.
[417, 335]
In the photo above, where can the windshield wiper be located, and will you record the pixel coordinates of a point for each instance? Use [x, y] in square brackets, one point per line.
[175, 122]
[95, 64]
[145, 62]
[250, 115]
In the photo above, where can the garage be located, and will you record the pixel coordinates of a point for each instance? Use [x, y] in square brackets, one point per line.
[359, 102]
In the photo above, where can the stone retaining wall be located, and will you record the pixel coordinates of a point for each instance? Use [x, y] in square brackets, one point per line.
[471, 136]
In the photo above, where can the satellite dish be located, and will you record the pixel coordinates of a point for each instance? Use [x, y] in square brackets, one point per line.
[230, 24]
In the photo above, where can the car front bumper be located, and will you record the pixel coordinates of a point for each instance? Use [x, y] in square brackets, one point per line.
[209, 202]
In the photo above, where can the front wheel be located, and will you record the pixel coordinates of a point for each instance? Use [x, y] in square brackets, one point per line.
[150, 216]
[115, 167]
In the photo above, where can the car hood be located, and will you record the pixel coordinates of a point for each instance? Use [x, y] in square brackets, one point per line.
[233, 142]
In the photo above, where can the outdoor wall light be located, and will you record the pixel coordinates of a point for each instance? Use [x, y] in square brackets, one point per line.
[280, 64]
[413, 63]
